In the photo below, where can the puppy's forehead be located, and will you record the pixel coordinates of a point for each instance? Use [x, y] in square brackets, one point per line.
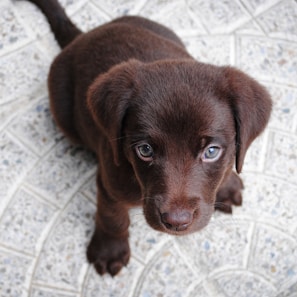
[183, 112]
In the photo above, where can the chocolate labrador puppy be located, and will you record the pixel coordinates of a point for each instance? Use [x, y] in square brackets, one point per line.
[167, 130]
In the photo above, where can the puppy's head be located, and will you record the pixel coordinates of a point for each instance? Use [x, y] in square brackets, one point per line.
[181, 125]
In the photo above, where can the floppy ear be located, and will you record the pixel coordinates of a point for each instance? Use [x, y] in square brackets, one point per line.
[251, 106]
[108, 100]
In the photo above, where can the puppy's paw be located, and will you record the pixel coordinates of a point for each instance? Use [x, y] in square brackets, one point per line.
[229, 194]
[108, 254]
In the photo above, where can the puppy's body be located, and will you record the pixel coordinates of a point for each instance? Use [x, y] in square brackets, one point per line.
[166, 129]
[96, 52]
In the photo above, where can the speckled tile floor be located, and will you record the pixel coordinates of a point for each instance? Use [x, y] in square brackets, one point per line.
[47, 189]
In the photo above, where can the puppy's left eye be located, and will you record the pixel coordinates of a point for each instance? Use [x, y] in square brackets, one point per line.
[145, 152]
[211, 154]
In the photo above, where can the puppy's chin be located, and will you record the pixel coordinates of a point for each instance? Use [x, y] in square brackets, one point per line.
[200, 220]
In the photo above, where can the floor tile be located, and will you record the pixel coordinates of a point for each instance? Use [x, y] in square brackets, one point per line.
[27, 69]
[206, 49]
[24, 221]
[16, 271]
[283, 151]
[280, 20]
[62, 261]
[258, 6]
[106, 286]
[274, 255]
[16, 162]
[220, 17]
[12, 33]
[246, 284]
[61, 172]
[35, 127]
[268, 59]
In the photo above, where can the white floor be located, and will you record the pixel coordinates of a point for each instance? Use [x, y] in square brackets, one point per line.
[47, 189]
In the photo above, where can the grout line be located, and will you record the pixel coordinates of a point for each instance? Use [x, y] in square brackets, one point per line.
[76, 8]
[233, 272]
[278, 229]
[247, 253]
[49, 287]
[20, 143]
[194, 16]
[233, 49]
[211, 287]
[7, 249]
[138, 8]
[24, 143]
[31, 34]
[264, 150]
[136, 278]
[263, 10]
[253, 17]
[188, 263]
[103, 10]
[147, 267]
[31, 189]
[88, 197]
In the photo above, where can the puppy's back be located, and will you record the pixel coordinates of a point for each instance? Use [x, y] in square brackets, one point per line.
[152, 26]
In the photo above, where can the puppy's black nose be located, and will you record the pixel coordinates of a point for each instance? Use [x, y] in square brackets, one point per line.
[178, 220]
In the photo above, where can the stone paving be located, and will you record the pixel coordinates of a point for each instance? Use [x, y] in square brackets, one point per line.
[47, 188]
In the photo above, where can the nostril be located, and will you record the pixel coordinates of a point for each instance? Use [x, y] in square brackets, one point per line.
[178, 220]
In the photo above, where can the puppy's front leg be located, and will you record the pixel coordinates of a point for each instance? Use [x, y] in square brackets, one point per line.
[229, 193]
[109, 248]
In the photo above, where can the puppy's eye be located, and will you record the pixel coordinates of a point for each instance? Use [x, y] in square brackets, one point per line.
[211, 154]
[145, 152]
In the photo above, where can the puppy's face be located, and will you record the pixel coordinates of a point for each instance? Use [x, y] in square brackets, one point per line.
[180, 141]
[181, 125]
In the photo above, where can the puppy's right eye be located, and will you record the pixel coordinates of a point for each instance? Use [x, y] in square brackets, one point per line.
[145, 152]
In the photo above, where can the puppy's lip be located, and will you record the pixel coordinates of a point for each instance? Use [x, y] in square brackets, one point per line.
[176, 233]
[180, 228]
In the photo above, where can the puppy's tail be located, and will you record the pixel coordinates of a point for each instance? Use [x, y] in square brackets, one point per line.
[64, 30]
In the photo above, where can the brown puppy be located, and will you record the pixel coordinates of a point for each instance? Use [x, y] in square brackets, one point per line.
[166, 129]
